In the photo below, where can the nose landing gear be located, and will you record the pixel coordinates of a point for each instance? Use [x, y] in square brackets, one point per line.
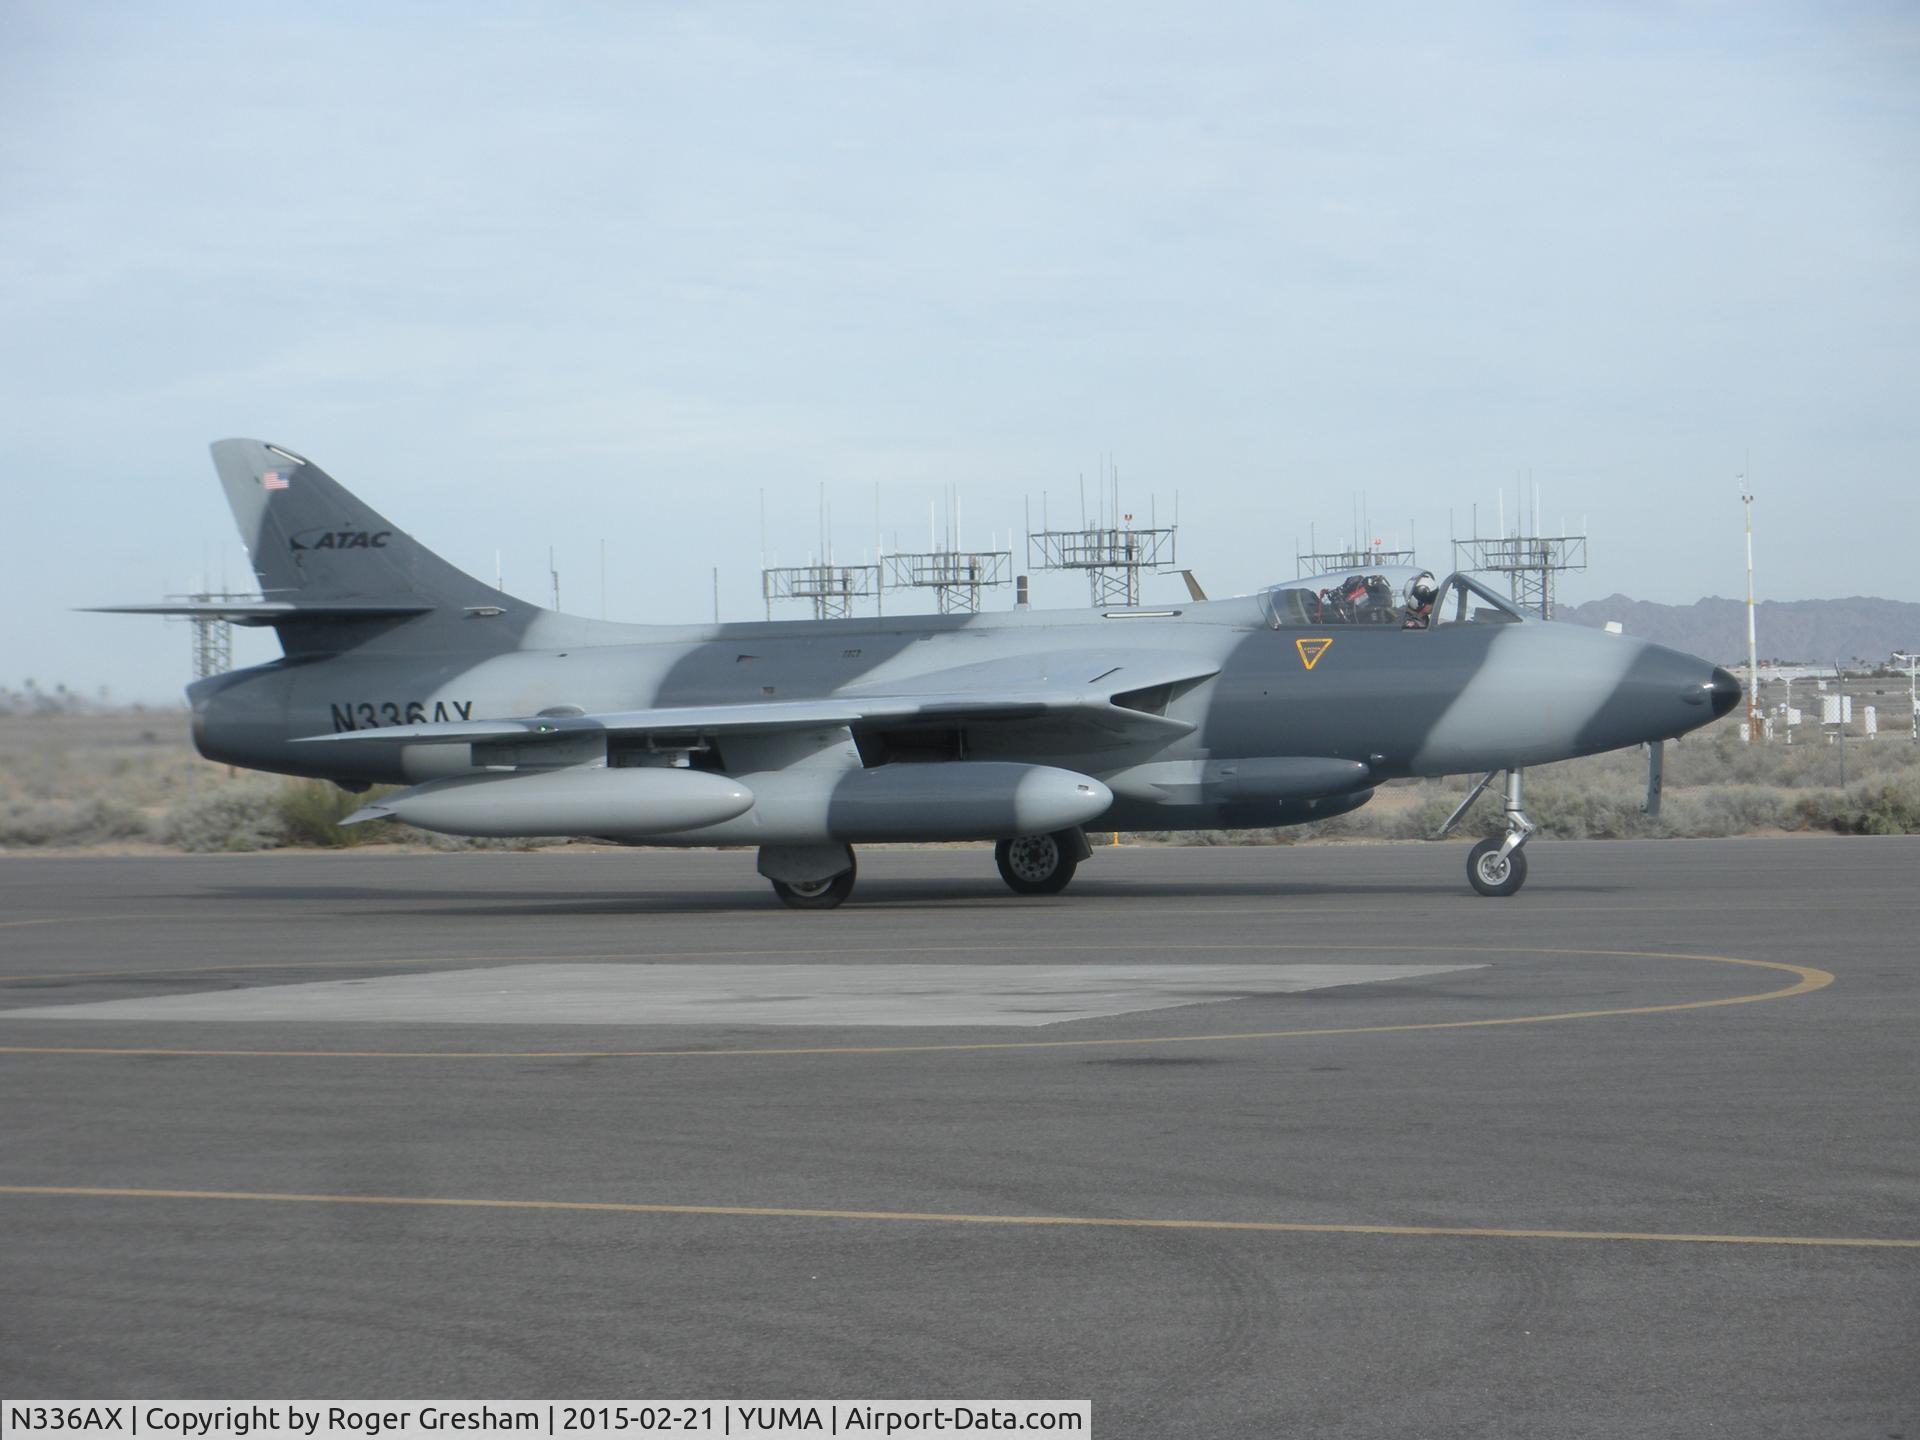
[1497, 868]
[1492, 872]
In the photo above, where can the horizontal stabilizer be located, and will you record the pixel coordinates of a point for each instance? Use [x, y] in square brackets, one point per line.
[271, 612]
[334, 574]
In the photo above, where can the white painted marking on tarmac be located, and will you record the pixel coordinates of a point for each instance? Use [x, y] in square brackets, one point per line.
[815, 995]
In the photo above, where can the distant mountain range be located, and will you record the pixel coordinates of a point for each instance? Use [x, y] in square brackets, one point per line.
[1819, 631]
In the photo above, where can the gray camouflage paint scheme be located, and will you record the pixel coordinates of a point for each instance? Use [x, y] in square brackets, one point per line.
[1220, 722]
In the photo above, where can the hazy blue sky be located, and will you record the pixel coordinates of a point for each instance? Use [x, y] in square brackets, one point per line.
[550, 274]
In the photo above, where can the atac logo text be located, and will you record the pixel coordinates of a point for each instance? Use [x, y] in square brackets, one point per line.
[321, 538]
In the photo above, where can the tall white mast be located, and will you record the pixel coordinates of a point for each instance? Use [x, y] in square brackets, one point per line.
[1753, 651]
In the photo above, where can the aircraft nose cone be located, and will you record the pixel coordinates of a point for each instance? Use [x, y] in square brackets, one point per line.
[1723, 690]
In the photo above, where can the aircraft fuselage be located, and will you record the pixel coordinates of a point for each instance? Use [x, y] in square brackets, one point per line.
[1389, 702]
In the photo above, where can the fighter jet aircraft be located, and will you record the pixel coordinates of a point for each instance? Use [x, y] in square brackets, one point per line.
[806, 738]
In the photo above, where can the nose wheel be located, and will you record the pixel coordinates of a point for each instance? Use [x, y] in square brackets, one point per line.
[1493, 873]
[1497, 868]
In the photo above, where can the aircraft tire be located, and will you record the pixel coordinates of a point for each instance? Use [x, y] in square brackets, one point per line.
[818, 894]
[1036, 864]
[1491, 875]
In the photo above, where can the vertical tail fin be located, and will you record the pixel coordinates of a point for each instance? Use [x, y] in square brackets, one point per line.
[325, 553]
[312, 539]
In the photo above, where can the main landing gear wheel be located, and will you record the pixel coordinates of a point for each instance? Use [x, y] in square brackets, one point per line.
[1492, 873]
[816, 894]
[1037, 864]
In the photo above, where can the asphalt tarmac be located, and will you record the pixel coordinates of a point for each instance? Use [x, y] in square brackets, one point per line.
[1633, 1153]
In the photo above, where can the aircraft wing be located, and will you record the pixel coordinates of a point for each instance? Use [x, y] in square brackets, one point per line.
[1084, 689]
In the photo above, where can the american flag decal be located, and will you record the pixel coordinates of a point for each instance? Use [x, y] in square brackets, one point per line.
[273, 480]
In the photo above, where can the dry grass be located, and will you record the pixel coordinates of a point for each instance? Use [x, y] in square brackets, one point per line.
[1715, 785]
[131, 777]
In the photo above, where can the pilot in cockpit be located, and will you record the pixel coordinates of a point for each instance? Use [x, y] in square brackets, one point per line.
[1422, 591]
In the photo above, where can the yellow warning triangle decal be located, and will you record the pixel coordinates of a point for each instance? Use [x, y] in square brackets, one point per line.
[1312, 650]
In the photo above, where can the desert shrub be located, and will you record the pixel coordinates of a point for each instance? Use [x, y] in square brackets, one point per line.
[1720, 757]
[1434, 801]
[1206, 837]
[310, 811]
[1875, 806]
[1570, 807]
[260, 812]
[1726, 810]
[406, 835]
[1437, 802]
[94, 820]
[1889, 807]
[239, 814]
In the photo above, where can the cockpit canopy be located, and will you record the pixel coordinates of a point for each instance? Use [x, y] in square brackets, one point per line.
[1402, 596]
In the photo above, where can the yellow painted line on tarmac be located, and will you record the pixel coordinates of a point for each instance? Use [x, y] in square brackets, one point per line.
[782, 952]
[937, 1217]
[197, 917]
[833, 951]
[1809, 979]
[1290, 911]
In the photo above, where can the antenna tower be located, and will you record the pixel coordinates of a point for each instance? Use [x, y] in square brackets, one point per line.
[213, 634]
[1112, 550]
[956, 576]
[832, 589]
[1528, 561]
[1328, 562]
[1112, 557]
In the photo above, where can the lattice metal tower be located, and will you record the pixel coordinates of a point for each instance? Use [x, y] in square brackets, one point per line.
[1357, 558]
[1529, 563]
[1111, 556]
[831, 589]
[213, 635]
[956, 576]
[212, 646]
